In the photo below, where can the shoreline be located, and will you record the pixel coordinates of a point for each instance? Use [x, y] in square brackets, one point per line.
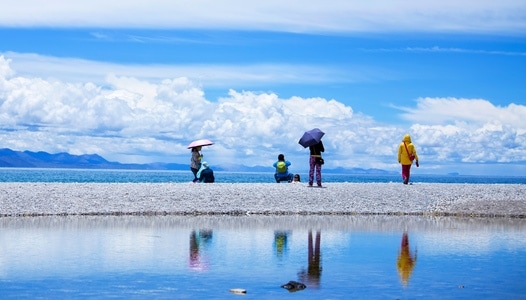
[234, 199]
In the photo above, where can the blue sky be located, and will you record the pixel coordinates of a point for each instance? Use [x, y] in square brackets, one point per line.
[137, 82]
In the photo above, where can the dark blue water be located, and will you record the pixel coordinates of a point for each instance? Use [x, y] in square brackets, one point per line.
[134, 176]
[347, 257]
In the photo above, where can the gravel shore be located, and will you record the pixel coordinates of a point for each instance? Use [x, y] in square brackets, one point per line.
[423, 199]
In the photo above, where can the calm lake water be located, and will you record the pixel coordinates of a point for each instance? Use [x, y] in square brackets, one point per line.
[131, 176]
[336, 257]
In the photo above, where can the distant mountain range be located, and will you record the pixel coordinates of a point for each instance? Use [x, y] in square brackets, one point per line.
[28, 159]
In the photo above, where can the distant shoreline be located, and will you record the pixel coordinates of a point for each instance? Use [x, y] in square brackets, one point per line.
[424, 199]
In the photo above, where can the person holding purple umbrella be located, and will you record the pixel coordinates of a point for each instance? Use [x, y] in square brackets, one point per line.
[315, 162]
[312, 139]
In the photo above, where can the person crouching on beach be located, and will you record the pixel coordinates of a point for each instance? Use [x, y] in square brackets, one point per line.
[282, 169]
[406, 155]
[205, 173]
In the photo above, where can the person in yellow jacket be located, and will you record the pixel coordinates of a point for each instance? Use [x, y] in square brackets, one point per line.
[406, 155]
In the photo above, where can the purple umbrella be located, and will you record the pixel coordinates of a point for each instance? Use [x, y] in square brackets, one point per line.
[311, 137]
[199, 143]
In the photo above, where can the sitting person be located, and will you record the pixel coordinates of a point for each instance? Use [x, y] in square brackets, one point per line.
[296, 178]
[282, 169]
[205, 173]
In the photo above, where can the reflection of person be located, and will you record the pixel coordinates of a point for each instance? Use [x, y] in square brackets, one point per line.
[197, 239]
[205, 173]
[406, 155]
[296, 178]
[197, 262]
[195, 259]
[282, 169]
[313, 274]
[195, 162]
[280, 242]
[314, 162]
[405, 262]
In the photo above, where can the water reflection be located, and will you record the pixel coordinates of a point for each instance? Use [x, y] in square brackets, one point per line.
[168, 257]
[312, 275]
[280, 242]
[406, 262]
[198, 240]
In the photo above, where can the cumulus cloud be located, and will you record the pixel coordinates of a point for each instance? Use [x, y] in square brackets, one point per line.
[127, 115]
[330, 15]
[469, 130]
[129, 119]
[479, 111]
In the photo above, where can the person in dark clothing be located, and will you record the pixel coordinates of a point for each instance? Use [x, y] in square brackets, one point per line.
[205, 173]
[315, 163]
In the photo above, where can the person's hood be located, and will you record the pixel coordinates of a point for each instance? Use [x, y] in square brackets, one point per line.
[407, 138]
[204, 165]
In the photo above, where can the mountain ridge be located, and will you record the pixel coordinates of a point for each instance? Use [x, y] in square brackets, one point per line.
[28, 159]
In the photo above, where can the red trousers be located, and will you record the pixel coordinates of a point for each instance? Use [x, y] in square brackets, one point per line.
[406, 172]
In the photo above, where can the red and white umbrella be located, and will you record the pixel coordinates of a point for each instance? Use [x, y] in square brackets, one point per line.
[200, 143]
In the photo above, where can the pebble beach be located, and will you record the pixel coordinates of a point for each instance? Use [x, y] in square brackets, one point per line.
[422, 199]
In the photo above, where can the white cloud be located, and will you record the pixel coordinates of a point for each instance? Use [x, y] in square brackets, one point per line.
[437, 49]
[129, 119]
[469, 130]
[330, 15]
[216, 75]
[476, 111]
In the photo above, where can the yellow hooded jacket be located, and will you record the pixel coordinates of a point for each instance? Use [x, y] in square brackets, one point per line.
[403, 156]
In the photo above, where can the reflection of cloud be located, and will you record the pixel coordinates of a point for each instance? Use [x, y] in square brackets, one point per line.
[89, 250]
[469, 242]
